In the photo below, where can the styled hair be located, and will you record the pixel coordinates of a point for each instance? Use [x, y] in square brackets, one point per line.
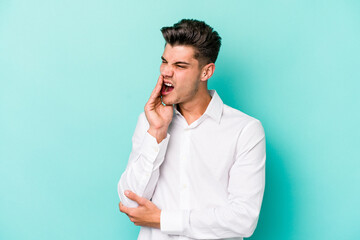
[197, 34]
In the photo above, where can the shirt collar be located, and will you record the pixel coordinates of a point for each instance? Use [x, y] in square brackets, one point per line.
[213, 110]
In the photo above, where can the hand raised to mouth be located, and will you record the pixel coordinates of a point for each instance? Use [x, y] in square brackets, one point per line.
[158, 115]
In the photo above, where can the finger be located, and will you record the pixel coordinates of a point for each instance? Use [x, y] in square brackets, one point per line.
[133, 196]
[123, 208]
[157, 90]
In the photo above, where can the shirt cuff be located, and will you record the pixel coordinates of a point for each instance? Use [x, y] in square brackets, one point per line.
[174, 221]
[153, 150]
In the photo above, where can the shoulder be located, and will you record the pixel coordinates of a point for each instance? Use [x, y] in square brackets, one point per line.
[247, 129]
[242, 124]
[142, 123]
[142, 118]
[238, 118]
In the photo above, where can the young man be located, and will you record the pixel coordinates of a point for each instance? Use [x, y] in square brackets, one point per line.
[197, 166]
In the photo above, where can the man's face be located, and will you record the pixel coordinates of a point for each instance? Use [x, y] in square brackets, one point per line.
[180, 69]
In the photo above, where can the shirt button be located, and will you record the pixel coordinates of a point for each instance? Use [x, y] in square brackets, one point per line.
[156, 148]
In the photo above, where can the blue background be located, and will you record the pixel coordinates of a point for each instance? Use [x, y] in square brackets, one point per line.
[74, 76]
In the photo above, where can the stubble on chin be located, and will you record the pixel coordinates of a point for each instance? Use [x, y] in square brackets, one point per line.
[166, 102]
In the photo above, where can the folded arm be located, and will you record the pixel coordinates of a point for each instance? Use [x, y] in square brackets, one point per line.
[237, 218]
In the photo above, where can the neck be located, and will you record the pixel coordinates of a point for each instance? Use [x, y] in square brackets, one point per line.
[194, 109]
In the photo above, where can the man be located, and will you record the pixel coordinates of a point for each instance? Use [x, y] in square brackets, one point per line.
[197, 166]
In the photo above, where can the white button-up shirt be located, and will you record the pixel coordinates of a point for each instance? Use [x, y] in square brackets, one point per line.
[208, 178]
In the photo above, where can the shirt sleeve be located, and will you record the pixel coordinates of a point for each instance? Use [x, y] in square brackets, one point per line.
[142, 172]
[239, 216]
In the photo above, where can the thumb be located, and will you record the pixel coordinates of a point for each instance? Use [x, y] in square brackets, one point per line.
[133, 196]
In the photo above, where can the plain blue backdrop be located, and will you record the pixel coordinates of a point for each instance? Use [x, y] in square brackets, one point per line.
[75, 75]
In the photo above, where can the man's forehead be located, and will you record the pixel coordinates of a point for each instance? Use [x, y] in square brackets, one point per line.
[179, 53]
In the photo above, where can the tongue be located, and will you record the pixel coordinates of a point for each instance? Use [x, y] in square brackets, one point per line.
[166, 88]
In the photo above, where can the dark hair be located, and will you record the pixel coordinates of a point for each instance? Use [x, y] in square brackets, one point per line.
[197, 34]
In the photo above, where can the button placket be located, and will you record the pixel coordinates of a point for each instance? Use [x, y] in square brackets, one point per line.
[184, 181]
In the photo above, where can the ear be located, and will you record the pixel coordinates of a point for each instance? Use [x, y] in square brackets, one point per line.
[207, 71]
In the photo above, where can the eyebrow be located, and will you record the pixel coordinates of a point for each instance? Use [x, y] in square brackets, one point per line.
[179, 62]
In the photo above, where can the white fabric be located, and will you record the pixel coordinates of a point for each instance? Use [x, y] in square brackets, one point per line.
[208, 178]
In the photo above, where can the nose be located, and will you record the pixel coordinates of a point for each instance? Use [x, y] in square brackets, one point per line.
[166, 70]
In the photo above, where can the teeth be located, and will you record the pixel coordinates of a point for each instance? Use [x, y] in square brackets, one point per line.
[168, 84]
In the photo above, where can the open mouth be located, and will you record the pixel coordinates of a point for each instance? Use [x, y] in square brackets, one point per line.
[166, 88]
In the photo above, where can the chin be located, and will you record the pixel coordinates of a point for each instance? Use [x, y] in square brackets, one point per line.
[168, 101]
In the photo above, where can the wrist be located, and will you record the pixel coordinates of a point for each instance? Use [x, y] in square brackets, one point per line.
[158, 133]
[157, 219]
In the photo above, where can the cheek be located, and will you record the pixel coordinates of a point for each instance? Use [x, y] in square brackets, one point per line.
[161, 68]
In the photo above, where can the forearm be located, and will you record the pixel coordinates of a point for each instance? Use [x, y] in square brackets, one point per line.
[159, 134]
[142, 172]
[235, 219]
[232, 220]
